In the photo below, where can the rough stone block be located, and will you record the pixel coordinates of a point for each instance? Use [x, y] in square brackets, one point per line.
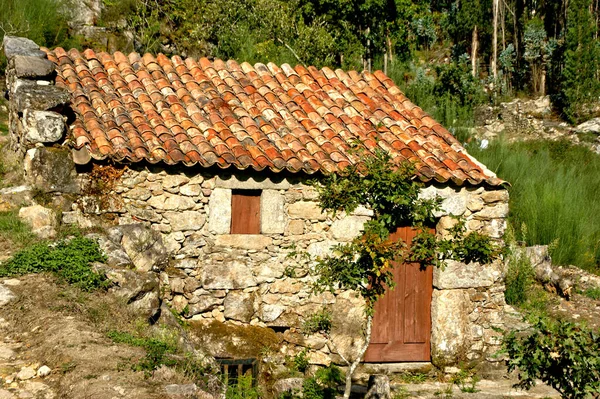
[40, 98]
[306, 210]
[243, 241]
[460, 275]
[348, 228]
[495, 196]
[51, 170]
[219, 215]
[295, 227]
[239, 306]
[492, 212]
[186, 220]
[43, 126]
[227, 275]
[321, 248]
[449, 326]
[14, 46]
[272, 213]
[27, 66]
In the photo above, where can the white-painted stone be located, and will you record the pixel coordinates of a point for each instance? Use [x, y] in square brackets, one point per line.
[272, 212]
[219, 215]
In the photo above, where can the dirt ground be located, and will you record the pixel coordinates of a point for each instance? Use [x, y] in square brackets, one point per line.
[53, 325]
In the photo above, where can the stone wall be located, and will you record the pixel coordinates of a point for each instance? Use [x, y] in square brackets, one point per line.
[251, 280]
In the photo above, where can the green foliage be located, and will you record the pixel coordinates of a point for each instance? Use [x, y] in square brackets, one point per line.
[580, 86]
[68, 259]
[319, 322]
[301, 361]
[456, 81]
[324, 383]
[242, 389]
[563, 355]
[554, 192]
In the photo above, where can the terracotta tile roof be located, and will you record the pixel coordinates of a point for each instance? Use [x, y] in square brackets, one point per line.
[133, 108]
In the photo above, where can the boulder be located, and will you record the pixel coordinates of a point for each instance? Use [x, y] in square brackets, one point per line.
[144, 247]
[43, 126]
[42, 220]
[139, 289]
[32, 67]
[591, 126]
[14, 46]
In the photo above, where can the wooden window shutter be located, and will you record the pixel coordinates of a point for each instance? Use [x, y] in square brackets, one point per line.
[245, 211]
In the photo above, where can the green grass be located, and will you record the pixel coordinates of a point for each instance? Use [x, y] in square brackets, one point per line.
[592, 293]
[13, 229]
[554, 192]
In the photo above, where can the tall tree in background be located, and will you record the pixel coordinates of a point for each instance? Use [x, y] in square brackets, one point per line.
[580, 75]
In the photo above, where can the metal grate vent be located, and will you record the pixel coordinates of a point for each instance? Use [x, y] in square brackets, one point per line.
[232, 369]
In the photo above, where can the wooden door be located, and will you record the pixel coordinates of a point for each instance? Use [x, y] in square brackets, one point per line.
[402, 321]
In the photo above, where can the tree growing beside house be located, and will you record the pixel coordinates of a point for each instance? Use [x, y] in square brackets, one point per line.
[365, 265]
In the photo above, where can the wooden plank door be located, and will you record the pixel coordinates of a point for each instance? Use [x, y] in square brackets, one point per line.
[402, 321]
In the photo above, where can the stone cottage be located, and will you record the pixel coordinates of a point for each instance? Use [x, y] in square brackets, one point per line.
[216, 156]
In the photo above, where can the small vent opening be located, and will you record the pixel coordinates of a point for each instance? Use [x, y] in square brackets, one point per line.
[233, 369]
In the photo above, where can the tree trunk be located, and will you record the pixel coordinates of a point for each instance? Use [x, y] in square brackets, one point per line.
[495, 40]
[352, 367]
[474, 46]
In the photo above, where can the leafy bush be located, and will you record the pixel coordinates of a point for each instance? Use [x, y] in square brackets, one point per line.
[301, 362]
[68, 259]
[564, 355]
[322, 385]
[554, 192]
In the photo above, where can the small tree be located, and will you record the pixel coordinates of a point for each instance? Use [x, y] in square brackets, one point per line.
[582, 60]
[364, 265]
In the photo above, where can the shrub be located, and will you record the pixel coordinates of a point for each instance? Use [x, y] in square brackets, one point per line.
[68, 259]
[519, 275]
[564, 355]
[157, 350]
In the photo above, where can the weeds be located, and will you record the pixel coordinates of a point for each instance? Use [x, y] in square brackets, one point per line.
[242, 389]
[69, 260]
